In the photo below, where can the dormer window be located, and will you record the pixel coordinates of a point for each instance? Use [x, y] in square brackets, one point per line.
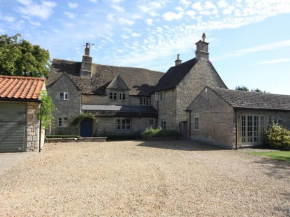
[122, 96]
[63, 96]
[113, 95]
[144, 101]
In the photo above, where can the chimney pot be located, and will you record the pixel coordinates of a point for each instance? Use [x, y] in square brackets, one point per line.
[178, 60]
[87, 49]
[202, 48]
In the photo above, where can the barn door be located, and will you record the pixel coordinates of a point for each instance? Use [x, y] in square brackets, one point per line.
[12, 127]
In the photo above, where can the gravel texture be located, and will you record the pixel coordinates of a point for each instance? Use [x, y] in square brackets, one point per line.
[137, 178]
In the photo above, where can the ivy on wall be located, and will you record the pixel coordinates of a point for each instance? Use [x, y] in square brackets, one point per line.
[46, 109]
[77, 121]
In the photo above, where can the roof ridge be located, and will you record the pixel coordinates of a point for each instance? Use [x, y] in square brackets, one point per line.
[20, 77]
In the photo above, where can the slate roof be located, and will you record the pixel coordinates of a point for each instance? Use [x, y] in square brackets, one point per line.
[15, 87]
[120, 111]
[174, 75]
[139, 81]
[253, 100]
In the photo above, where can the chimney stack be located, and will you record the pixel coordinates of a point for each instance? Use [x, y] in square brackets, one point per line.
[178, 61]
[86, 68]
[202, 48]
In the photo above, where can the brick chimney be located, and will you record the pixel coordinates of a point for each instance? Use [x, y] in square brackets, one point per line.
[202, 48]
[178, 61]
[86, 69]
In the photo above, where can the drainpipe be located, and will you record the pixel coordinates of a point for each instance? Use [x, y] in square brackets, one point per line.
[39, 146]
[236, 114]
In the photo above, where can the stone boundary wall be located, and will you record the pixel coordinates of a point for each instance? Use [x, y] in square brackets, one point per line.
[67, 140]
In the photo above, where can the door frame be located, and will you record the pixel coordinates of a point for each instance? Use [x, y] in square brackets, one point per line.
[245, 133]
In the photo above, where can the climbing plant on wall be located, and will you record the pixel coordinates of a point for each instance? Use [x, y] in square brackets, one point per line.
[77, 120]
[46, 109]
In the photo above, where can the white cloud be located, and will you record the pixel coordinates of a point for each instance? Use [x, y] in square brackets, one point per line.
[282, 60]
[118, 8]
[185, 2]
[179, 8]
[149, 21]
[191, 14]
[229, 10]
[197, 6]
[42, 10]
[126, 21]
[9, 19]
[69, 15]
[116, 1]
[94, 1]
[134, 34]
[222, 4]
[260, 48]
[35, 23]
[124, 36]
[110, 17]
[72, 5]
[169, 16]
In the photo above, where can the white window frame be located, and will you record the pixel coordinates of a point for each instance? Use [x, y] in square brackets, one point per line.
[277, 119]
[62, 122]
[114, 95]
[124, 124]
[163, 123]
[64, 96]
[151, 122]
[144, 101]
[196, 122]
[253, 133]
[122, 96]
[159, 96]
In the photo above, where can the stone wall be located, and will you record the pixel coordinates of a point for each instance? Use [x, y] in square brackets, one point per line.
[65, 108]
[107, 126]
[166, 108]
[32, 129]
[216, 120]
[201, 75]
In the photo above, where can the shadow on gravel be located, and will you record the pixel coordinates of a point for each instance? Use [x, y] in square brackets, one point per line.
[276, 168]
[184, 145]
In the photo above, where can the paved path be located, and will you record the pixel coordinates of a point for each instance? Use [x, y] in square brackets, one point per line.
[170, 178]
[7, 160]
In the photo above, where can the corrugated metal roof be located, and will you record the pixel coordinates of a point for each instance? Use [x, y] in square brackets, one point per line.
[15, 87]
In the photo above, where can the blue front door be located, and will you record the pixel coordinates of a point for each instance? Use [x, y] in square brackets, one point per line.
[87, 128]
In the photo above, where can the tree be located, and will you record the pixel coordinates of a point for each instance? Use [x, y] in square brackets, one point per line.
[20, 58]
[243, 88]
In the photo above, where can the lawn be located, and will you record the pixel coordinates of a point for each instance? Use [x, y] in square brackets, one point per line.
[278, 155]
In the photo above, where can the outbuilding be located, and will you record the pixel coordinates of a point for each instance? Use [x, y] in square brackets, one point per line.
[233, 118]
[20, 129]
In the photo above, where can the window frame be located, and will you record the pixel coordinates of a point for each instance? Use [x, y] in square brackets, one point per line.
[196, 122]
[163, 123]
[113, 95]
[159, 96]
[64, 122]
[64, 97]
[123, 124]
[144, 101]
[151, 120]
[122, 96]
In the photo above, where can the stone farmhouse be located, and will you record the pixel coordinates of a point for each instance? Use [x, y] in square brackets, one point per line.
[190, 97]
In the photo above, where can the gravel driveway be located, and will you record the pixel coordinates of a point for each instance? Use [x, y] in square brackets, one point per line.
[170, 178]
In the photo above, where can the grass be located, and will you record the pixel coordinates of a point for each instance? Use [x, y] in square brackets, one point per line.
[277, 155]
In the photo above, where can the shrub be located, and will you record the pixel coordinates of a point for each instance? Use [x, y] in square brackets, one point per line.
[150, 133]
[63, 136]
[277, 137]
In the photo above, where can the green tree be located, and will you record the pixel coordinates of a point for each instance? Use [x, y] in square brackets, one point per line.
[20, 58]
[243, 88]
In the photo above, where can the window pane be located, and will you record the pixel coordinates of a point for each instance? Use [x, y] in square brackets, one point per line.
[111, 95]
[118, 124]
[65, 96]
[128, 125]
[124, 96]
[61, 96]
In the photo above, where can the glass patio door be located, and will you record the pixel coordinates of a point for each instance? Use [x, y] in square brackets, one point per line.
[252, 129]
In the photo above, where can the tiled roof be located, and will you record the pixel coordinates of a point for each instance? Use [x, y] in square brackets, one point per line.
[118, 83]
[175, 75]
[14, 87]
[253, 100]
[139, 81]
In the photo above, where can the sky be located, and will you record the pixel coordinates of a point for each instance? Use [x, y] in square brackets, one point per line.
[249, 39]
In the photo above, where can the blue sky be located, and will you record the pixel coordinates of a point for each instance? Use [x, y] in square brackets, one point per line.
[249, 39]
